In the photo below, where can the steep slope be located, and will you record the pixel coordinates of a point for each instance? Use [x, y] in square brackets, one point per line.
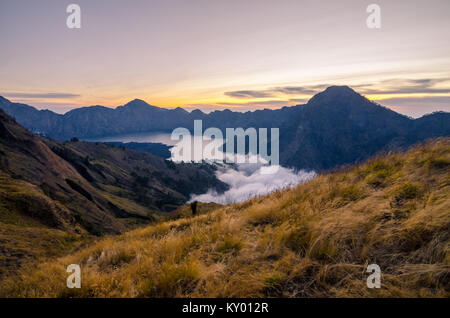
[339, 126]
[430, 126]
[62, 191]
[38, 121]
[314, 240]
[336, 127]
[135, 116]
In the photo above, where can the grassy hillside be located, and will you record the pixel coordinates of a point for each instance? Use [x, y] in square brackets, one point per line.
[314, 240]
[54, 196]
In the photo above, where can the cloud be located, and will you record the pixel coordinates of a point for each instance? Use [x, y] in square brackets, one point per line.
[266, 103]
[305, 90]
[41, 95]
[247, 181]
[276, 91]
[389, 86]
[298, 100]
[249, 94]
[407, 86]
[430, 99]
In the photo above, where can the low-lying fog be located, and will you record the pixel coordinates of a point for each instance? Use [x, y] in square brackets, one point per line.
[246, 181]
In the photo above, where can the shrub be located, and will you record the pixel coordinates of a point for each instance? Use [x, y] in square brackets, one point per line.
[297, 240]
[438, 163]
[229, 245]
[378, 179]
[173, 280]
[323, 249]
[351, 193]
[407, 191]
[378, 172]
[275, 280]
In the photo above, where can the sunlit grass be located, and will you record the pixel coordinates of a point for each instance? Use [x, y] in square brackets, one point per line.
[314, 240]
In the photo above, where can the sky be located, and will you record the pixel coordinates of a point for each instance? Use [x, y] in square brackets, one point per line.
[236, 54]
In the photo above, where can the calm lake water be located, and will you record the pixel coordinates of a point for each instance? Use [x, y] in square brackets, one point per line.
[165, 138]
[245, 182]
[161, 137]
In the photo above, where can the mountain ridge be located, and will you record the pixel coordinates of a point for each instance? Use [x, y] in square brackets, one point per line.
[84, 170]
[335, 127]
[54, 195]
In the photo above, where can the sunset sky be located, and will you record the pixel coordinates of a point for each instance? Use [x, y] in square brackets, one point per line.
[213, 54]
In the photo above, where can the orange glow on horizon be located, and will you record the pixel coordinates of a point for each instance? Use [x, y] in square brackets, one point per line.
[222, 102]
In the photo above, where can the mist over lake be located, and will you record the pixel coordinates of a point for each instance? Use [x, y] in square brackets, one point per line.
[244, 180]
[155, 137]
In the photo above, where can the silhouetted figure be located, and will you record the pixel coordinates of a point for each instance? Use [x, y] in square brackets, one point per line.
[194, 207]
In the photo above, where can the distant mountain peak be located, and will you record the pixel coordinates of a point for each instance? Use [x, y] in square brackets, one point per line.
[336, 93]
[136, 102]
[4, 100]
[197, 112]
[343, 90]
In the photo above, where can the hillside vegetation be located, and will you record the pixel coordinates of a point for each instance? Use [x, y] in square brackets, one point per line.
[55, 196]
[314, 240]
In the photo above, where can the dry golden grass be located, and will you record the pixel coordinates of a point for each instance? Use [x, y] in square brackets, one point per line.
[314, 240]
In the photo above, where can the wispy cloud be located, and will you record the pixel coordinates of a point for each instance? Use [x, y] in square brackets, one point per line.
[266, 103]
[407, 86]
[414, 97]
[305, 90]
[249, 94]
[386, 87]
[41, 95]
[276, 91]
